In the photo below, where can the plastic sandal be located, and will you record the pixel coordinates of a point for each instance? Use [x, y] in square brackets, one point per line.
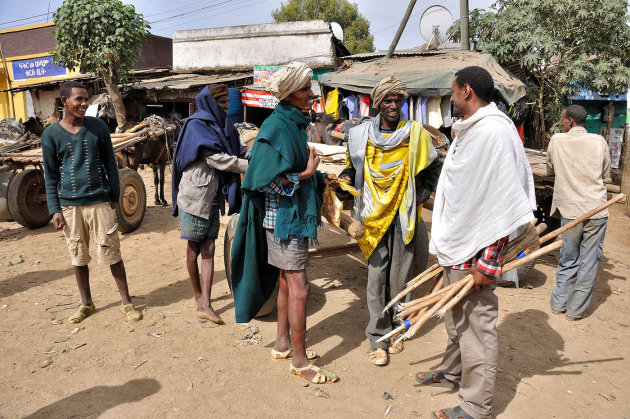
[321, 375]
[81, 314]
[395, 349]
[428, 379]
[453, 413]
[288, 354]
[132, 314]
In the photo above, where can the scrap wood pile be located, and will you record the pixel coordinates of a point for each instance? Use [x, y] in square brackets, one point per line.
[438, 299]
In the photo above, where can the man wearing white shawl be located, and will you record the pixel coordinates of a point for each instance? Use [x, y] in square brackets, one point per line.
[485, 192]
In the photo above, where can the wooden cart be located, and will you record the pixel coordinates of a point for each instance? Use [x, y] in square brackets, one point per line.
[23, 194]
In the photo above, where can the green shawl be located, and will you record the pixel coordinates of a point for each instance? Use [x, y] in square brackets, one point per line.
[280, 147]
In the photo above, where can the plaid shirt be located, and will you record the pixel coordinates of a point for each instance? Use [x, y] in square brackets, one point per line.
[273, 191]
[488, 260]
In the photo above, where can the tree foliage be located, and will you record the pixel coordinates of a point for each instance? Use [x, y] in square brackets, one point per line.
[356, 28]
[103, 37]
[561, 44]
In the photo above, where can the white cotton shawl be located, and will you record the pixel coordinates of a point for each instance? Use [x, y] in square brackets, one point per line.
[485, 190]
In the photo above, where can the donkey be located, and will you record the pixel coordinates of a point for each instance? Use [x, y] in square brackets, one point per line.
[156, 150]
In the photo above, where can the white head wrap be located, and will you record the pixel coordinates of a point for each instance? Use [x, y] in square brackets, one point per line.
[388, 86]
[288, 79]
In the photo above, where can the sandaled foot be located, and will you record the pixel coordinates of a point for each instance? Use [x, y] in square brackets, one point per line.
[209, 314]
[131, 312]
[313, 374]
[288, 354]
[378, 356]
[82, 313]
[434, 378]
[451, 413]
[396, 348]
[558, 311]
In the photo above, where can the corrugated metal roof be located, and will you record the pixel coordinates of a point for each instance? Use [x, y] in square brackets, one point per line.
[188, 81]
[414, 52]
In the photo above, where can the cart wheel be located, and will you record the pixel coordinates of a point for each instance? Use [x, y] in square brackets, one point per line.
[27, 201]
[270, 304]
[133, 201]
[421, 250]
[5, 180]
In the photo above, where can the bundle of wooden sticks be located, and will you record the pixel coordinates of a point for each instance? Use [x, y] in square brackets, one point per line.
[438, 299]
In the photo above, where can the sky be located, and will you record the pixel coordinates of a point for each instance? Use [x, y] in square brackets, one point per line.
[168, 15]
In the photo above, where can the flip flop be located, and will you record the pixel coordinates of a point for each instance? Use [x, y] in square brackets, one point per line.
[82, 313]
[288, 354]
[428, 379]
[321, 375]
[132, 314]
[453, 413]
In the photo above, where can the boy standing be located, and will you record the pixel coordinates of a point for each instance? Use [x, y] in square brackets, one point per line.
[82, 187]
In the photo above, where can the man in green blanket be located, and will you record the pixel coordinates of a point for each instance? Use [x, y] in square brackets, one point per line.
[280, 214]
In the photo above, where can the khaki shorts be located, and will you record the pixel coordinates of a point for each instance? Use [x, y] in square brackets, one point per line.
[101, 221]
[288, 255]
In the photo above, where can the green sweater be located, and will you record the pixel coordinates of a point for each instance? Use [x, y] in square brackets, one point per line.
[80, 169]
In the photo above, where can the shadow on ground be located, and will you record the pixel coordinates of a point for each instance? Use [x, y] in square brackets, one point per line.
[95, 401]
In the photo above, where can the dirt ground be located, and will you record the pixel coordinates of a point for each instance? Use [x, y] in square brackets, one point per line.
[171, 365]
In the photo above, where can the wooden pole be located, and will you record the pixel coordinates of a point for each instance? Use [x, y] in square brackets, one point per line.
[401, 28]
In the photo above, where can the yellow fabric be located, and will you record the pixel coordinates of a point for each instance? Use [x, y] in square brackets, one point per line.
[332, 103]
[343, 184]
[392, 186]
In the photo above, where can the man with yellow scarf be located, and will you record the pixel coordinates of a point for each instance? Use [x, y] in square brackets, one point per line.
[392, 162]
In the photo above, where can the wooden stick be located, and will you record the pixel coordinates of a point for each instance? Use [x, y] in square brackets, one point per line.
[521, 236]
[413, 308]
[423, 274]
[437, 284]
[534, 255]
[423, 299]
[532, 238]
[447, 296]
[418, 281]
[575, 222]
[461, 294]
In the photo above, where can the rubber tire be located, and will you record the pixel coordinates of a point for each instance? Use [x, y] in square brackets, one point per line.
[421, 249]
[5, 180]
[133, 201]
[270, 304]
[21, 190]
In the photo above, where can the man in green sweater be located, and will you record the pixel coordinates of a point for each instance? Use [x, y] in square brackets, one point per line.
[82, 188]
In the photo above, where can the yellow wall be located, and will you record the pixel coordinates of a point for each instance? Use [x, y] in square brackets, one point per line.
[19, 98]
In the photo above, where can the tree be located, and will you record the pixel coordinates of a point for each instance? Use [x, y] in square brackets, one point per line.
[356, 28]
[103, 37]
[562, 45]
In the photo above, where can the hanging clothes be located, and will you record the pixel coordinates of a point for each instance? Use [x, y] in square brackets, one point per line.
[445, 106]
[352, 103]
[405, 109]
[421, 109]
[434, 112]
[364, 105]
[332, 103]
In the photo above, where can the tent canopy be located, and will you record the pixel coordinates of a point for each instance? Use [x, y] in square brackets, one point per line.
[424, 75]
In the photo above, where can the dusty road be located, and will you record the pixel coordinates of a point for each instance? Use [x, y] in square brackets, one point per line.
[170, 365]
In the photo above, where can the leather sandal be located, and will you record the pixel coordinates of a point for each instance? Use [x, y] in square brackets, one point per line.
[453, 413]
[82, 313]
[396, 348]
[321, 375]
[429, 379]
[288, 354]
[378, 356]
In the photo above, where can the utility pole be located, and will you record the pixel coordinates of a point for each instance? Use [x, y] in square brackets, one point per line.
[401, 28]
[10, 91]
[463, 24]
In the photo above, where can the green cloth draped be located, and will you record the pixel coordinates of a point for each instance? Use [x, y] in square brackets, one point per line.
[280, 147]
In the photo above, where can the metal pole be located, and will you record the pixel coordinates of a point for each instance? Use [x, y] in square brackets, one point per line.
[10, 92]
[401, 28]
[463, 24]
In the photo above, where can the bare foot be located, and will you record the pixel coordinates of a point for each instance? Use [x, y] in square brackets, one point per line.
[209, 314]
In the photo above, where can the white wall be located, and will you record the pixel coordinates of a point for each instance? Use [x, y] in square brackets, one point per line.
[242, 47]
[44, 102]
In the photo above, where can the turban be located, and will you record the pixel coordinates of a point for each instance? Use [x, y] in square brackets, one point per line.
[288, 79]
[388, 86]
[218, 90]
